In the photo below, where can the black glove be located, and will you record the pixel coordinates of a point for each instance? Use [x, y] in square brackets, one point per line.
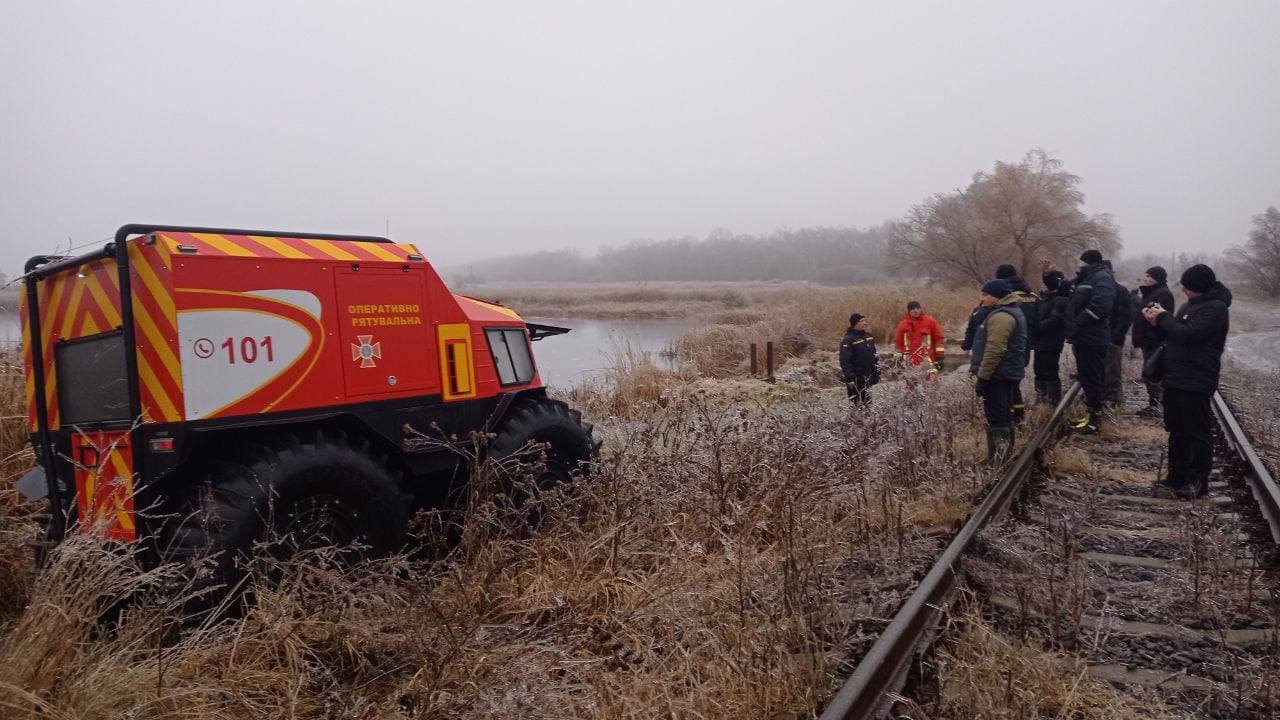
[980, 387]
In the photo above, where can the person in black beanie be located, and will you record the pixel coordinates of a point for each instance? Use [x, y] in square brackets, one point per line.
[1194, 338]
[1088, 329]
[1048, 335]
[1029, 304]
[999, 363]
[858, 360]
[1153, 290]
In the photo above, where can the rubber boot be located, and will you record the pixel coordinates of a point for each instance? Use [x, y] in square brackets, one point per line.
[1019, 414]
[1042, 391]
[999, 444]
[1053, 389]
[1090, 424]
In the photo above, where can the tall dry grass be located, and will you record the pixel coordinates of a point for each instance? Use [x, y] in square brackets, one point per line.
[16, 527]
[801, 318]
[724, 561]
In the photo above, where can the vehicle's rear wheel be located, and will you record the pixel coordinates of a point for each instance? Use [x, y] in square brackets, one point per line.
[298, 494]
[540, 429]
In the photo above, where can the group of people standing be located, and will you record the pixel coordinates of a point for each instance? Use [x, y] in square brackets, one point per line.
[1013, 327]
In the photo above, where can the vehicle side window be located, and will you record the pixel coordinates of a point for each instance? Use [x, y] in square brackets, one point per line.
[511, 357]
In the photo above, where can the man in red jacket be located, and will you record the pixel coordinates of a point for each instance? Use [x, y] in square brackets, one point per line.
[919, 340]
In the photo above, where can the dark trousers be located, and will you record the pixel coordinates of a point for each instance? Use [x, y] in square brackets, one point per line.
[1153, 389]
[1045, 365]
[1113, 393]
[1189, 421]
[858, 393]
[1091, 362]
[997, 402]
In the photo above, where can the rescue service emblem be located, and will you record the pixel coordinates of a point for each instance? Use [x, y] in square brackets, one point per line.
[367, 351]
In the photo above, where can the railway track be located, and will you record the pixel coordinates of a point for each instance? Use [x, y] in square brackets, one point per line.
[1173, 603]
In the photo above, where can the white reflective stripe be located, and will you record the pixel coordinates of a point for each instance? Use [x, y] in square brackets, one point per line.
[1090, 312]
[1084, 287]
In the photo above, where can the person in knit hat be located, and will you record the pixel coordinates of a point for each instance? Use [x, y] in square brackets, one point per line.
[918, 341]
[858, 360]
[1088, 329]
[1154, 290]
[1048, 336]
[1194, 338]
[1030, 310]
[998, 362]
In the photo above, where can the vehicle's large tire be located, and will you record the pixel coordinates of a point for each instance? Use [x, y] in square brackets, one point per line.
[298, 494]
[568, 440]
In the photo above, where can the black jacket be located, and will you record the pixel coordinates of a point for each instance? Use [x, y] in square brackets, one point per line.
[1051, 322]
[1144, 336]
[1194, 338]
[858, 358]
[1093, 295]
[975, 319]
[1121, 315]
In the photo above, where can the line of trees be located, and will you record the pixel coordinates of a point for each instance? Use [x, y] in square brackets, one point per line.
[832, 255]
[1017, 212]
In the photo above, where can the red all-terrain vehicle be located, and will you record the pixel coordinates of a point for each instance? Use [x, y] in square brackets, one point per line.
[200, 388]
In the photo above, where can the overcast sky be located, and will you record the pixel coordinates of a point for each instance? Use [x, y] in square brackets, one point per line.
[477, 129]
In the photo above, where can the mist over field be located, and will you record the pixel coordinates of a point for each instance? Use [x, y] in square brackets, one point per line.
[481, 130]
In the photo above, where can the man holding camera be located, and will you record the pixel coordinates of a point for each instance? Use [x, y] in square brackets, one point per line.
[1154, 291]
[1193, 338]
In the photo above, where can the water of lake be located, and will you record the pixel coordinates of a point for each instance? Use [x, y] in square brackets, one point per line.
[585, 352]
[563, 360]
[10, 329]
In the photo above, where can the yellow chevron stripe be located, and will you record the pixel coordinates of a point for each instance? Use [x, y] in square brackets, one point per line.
[380, 251]
[155, 288]
[88, 327]
[109, 310]
[168, 246]
[331, 250]
[226, 245]
[409, 249]
[73, 309]
[122, 470]
[168, 411]
[280, 246]
[158, 343]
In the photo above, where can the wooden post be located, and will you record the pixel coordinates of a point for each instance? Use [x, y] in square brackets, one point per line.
[754, 366]
[768, 362]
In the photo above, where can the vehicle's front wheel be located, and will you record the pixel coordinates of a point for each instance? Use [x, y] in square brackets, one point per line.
[546, 430]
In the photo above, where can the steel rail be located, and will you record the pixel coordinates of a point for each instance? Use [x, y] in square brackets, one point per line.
[1264, 487]
[868, 693]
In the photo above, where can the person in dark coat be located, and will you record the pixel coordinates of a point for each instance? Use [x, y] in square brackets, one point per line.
[1048, 336]
[971, 327]
[1027, 303]
[1121, 320]
[1088, 329]
[858, 360]
[1194, 338]
[1154, 289]
[999, 363]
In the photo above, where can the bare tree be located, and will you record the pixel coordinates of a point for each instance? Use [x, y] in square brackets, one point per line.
[1017, 213]
[1258, 260]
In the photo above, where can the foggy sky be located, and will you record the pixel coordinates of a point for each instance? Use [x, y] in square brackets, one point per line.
[478, 129]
